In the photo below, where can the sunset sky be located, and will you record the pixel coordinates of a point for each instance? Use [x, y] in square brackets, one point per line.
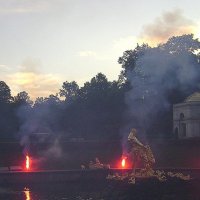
[47, 42]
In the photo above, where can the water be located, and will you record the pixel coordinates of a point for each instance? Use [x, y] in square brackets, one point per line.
[148, 190]
[41, 192]
[29, 194]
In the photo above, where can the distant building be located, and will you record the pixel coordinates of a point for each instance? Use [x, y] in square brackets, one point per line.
[186, 117]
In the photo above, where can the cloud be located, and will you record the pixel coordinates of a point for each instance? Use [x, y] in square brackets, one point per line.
[30, 65]
[87, 54]
[30, 79]
[171, 23]
[4, 68]
[197, 30]
[24, 6]
[37, 85]
[99, 56]
[125, 43]
[113, 52]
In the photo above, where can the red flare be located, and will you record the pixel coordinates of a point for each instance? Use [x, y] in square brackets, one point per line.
[123, 162]
[27, 162]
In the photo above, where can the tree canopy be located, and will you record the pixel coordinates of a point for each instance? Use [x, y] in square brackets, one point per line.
[152, 79]
[5, 93]
[159, 77]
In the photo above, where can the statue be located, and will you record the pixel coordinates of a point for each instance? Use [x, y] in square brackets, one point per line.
[144, 153]
[138, 151]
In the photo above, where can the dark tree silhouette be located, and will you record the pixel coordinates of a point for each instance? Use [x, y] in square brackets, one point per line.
[69, 90]
[151, 80]
[39, 101]
[23, 98]
[8, 119]
[96, 110]
[5, 93]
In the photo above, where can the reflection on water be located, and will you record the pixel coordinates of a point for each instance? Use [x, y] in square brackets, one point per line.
[50, 192]
[39, 192]
[27, 193]
[74, 191]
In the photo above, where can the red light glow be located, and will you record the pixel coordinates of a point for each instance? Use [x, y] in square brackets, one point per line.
[123, 163]
[27, 162]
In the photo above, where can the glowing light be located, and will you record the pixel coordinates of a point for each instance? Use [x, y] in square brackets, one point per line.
[123, 162]
[27, 193]
[27, 162]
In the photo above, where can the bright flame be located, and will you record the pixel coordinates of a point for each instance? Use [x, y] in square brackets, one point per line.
[27, 162]
[27, 194]
[123, 162]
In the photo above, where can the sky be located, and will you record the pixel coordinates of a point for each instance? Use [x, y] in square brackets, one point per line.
[47, 42]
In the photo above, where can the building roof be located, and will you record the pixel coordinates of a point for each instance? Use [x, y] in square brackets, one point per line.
[195, 97]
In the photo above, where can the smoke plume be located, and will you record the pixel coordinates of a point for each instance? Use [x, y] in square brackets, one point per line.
[160, 76]
[38, 132]
[171, 23]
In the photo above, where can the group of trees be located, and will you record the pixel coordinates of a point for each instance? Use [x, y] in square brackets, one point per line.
[93, 111]
[151, 80]
[158, 78]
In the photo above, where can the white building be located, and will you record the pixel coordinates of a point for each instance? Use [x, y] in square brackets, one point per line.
[186, 117]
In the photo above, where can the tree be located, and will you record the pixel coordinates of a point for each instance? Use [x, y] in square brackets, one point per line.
[129, 59]
[181, 44]
[52, 99]
[46, 101]
[96, 89]
[8, 121]
[96, 113]
[5, 93]
[39, 101]
[160, 77]
[69, 90]
[23, 98]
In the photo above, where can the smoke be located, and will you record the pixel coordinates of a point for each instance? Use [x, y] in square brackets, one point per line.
[38, 133]
[54, 150]
[167, 25]
[158, 74]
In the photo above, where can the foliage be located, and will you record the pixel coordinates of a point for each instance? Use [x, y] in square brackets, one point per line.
[95, 112]
[5, 93]
[23, 98]
[69, 90]
[160, 77]
[151, 80]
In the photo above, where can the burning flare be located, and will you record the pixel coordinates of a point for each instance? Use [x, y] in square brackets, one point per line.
[123, 163]
[27, 162]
